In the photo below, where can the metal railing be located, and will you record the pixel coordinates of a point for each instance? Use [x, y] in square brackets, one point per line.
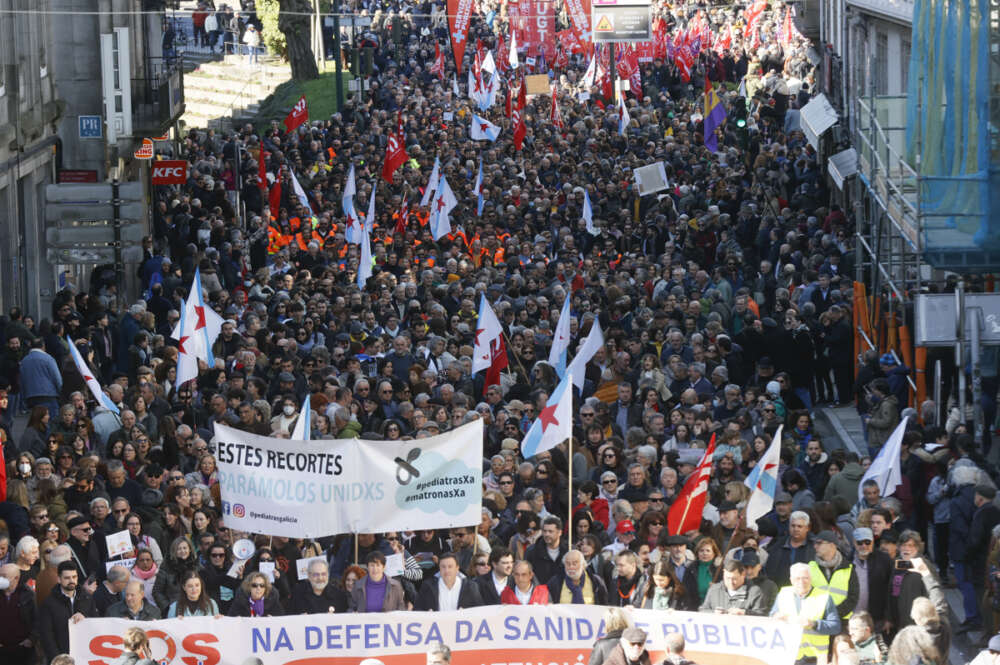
[872, 347]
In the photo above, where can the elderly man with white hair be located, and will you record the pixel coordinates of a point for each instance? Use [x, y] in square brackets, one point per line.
[809, 607]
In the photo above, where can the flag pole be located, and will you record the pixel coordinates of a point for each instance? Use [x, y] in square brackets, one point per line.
[569, 467]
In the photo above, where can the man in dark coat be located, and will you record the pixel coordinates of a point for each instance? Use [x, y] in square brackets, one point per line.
[316, 595]
[539, 555]
[873, 568]
[66, 603]
[439, 594]
[492, 584]
[17, 608]
[796, 548]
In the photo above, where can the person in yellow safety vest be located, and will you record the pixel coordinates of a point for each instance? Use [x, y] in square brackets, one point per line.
[832, 572]
[810, 608]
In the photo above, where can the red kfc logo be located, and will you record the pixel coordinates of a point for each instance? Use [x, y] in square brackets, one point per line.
[170, 172]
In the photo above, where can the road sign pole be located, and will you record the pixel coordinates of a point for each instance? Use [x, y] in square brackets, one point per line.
[116, 222]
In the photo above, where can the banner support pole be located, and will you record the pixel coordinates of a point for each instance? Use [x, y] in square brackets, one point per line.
[569, 468]
[356, 550]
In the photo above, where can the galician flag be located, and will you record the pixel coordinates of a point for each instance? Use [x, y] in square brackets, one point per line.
[763, 482]
[432, 183]
[88, 377]
[444, 203]
[586, 351]
[195, 333]
[353, 224]
[303, 425]
[560, 340]
[885, 468]
[482, 129]
[488, 333]
[588, 214]
[370, 216]
[478, 190]
[555, 422]
[623, 117]
[365, 261]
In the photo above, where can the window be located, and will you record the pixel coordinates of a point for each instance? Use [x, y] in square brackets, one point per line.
[881, 63]
[904, 65]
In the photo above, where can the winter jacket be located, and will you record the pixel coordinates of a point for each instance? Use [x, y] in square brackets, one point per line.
[305, 600]
[556, 586]
[241, 605]
[747, 598]
[603, 646]
[617, 657]
[395, 598]
[539, 596]
[148, 612]
[428, 600]
[53, 620]
[963, 508]
[845, 483]
[167, 587]
[884, 418]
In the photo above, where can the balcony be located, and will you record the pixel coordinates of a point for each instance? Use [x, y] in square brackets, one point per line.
[895, 10]
[158, 97]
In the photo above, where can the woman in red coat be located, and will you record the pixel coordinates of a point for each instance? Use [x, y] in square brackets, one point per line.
[524, 590]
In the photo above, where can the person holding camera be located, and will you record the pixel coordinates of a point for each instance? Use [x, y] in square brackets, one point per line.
[912, 577]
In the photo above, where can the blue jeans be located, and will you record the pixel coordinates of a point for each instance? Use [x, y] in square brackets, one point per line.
[970, 605]
[804, 395]
[251, 54]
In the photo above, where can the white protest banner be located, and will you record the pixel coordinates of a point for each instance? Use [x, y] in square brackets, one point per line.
[119, 543]
[310, 489]
[495, 634]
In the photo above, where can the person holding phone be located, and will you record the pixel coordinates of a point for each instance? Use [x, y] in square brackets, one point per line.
[912, 577]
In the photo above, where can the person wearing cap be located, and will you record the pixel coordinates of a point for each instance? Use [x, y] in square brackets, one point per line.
[832, 572]
[734, 595]
[991, 655]
[813, 609]
[625, 535]
[986, 517]
[575, 584]
[873, 568]
[728, 531]
[630, 650]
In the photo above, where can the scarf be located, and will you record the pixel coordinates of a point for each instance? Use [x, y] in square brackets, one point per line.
[661, 599]
[577, 589]
[256, 607]
[704, 577]
[145, 574]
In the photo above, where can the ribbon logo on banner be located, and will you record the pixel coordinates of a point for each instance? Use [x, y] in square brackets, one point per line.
[404, 466]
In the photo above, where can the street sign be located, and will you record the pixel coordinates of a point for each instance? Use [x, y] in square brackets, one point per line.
[91, 127]
[935, 315]
[170, 172]
[92, 233]
[621, 21]
[77, 175]
[68, 203]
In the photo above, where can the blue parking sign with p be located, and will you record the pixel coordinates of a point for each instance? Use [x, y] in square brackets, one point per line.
[91, 127]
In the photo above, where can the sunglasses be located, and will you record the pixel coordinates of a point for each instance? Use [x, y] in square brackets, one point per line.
[392, 539]
[506, 482]
[218, 555]
[257, 585]
[863, 542]
[609, 482]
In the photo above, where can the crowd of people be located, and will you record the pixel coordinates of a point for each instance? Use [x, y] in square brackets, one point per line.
[725, 302]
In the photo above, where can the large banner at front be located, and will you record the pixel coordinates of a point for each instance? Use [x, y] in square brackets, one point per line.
[495, 635]
[310, 489]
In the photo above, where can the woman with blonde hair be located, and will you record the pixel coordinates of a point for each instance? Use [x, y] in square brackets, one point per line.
[256, 598]
[615, 623]
[135, 643]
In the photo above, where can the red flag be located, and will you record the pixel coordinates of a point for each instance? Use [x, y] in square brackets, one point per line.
[498, 353]
[555, 115]
[517, 119]
[298, 115]
[395, 151]
[503, 55]
[685, 511]
[438, 66]
[752, 16]
[274, 198]
[402, 217]
[459, 15]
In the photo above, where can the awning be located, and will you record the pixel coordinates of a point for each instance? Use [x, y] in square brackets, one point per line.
[816, 117]
[842, 166]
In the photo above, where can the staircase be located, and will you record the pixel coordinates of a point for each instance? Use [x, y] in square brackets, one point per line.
[222, 91]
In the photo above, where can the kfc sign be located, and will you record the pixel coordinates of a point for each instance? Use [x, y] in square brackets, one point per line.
[170, 172]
